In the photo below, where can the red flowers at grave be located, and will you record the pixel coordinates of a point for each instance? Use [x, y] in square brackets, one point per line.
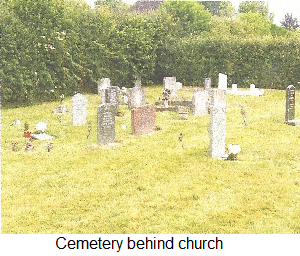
[27, 134]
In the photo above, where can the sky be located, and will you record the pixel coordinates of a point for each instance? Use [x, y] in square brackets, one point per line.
[278, 7]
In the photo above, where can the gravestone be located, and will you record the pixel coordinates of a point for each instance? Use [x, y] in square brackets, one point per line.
[252, 87]
[143, 119]
[200, 102]
[104, 83]
[222, 85]
[234, 88]
[290, 105]
[106, 123]
[207, 84]
[110, 95]
[217, 97]
[178, 85]
[170, 84]
[136, 97]
[217, 131]
[79, 107]
[138, 82]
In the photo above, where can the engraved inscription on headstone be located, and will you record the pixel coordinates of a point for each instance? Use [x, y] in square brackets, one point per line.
[217, 131]
[106, 123]
[79, 108]
[136, 97]
[200, 102]
[290, 104]
[110, 95]
[143, 119]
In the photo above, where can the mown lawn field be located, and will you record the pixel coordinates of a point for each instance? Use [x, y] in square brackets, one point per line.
[151, 184]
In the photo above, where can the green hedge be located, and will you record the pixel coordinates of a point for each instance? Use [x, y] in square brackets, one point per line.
[52, 47]
[267, 62]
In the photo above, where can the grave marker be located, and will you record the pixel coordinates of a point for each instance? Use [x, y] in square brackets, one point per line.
[103, 83]
[136, 97]
[207, 84]
[222, 85]
[106, 123]
[110, 95]
[290, 105]
[143, 119]
[79, 107]
[200, 102]
[217, 131]
[170, 84]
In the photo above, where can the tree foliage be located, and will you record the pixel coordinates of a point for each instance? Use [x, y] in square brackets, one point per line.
[261, 7]
[289, 22]
[219, 8]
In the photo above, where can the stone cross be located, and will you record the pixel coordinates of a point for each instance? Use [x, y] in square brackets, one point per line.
[110, 95]
[290, 104]
[106, 123]
[79, 109]
[136, 97]
[200, 102]
[207, 84]
[143, 119]
[217, 131]
[170, 84]
[104, 83]
[222, 85]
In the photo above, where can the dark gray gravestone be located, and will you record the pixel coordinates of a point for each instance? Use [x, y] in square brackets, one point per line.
[106, 123]
[217, 131]
[136, 97]
[290, 104]
[110, 95]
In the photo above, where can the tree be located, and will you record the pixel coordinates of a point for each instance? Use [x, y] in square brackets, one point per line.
[220, 8]
[289, 22]
[256, 7]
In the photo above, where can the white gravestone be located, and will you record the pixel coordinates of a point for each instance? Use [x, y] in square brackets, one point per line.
[222, 85]
[200, 102]
[79, 108]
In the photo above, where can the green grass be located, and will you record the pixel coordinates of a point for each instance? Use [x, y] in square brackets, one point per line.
[150, 184]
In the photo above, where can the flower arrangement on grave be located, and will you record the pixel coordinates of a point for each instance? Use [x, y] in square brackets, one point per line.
[233, 150]
[28, 146]
[41, 126]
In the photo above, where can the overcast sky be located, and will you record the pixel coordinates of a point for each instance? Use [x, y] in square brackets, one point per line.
[278, 7]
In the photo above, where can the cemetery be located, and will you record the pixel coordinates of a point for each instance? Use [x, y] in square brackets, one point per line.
[123, 143]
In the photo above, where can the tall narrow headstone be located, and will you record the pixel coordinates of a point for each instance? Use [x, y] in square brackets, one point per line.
[79, 108]
[110, 95]
[138, 82]
[136, 97]
[170, 84]
[200, 102]
[207, 84]
[106, 123]
[222, 85]
[290, 104]
[103, 83]
[217, 97]
[234, 88]
[143, 119]
[217, 131]
[252, 88]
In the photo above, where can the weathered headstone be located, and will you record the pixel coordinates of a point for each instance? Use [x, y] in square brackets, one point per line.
[178, 85]
[110, 95]
[143, 119]
[200, 102]
[79, 108]
[106, 123]
[290, 104]
[222, 85]
[207, 84]
[136, 97]
[252, 88]
[170, 84]
[217, 131]
[103, 83]
[217, 97]
[138, 82]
